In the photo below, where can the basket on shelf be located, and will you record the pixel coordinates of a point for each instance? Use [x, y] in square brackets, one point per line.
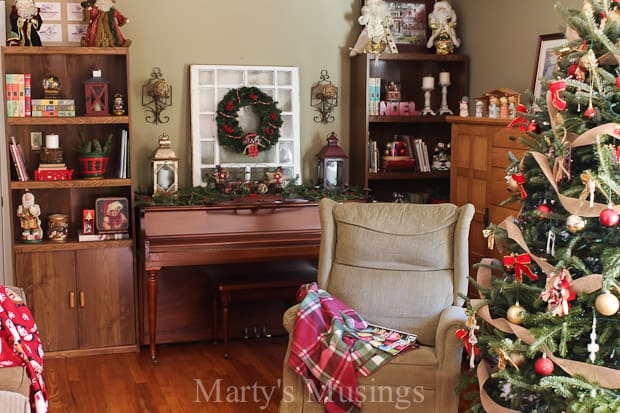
[94, 165]
[93, 157]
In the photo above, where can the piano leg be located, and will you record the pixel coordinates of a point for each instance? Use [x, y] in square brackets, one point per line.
[151, 290]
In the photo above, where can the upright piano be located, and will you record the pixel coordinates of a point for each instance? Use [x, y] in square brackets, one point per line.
[234, 232]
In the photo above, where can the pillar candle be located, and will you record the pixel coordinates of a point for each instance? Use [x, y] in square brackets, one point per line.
[444, 78]
[428, 82]
[51, 142]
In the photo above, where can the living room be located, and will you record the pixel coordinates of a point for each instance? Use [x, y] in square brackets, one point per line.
[499, 42]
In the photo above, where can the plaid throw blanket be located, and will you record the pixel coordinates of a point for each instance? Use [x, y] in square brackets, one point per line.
[326, 352]
[20, 345]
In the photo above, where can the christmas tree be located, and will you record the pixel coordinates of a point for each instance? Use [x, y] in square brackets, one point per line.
[544, 333]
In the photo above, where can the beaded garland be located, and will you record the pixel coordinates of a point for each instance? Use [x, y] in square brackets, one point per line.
[230, 133]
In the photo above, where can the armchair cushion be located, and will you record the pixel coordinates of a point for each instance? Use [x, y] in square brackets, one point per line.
[394, 250]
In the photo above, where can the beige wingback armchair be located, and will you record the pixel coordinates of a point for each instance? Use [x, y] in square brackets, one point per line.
[401, 266]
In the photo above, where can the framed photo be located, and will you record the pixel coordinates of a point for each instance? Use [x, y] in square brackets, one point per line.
[546, 57]
[409, 24]
[112, 214]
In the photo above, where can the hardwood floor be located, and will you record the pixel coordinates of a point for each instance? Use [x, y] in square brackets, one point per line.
[189, 378]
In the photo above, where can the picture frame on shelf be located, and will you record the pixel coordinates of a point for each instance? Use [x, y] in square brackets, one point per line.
[112, 214]
[409, 27]
[545, 61]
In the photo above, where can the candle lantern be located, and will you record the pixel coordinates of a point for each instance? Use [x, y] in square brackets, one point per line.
[332, 164]
[165, 167]
[96, 94]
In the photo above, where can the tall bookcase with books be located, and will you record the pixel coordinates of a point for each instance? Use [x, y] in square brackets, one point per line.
[82, 294]
[389, 130]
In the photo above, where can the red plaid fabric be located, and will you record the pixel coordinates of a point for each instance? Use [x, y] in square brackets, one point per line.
[20, 345]
[326, 352]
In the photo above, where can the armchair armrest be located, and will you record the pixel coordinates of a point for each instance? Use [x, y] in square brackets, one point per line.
[446, 343]
[288, 319]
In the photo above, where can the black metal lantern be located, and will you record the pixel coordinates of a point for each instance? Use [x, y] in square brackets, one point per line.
[332, 164]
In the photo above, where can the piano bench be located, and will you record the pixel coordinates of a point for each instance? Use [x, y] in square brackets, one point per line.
[229, 292]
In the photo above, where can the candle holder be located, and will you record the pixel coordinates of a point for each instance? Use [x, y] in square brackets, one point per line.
[444, 82]
[427, 101]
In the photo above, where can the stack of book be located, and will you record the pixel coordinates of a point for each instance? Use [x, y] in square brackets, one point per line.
[397, 163]
[18, 94]
[102, 236]
[18, 160]
[53, 107]
[421, 153]
[53, 172]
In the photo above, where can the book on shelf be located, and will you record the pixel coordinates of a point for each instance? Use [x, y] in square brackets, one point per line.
[421, 152]
[27, 94]
[18, 159]
[102, 237]
[52, 166]
[18, 88]
[123, 170]
[373, 157]
[374, 95]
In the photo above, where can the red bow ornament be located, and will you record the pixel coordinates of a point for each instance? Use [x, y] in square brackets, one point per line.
[520, 180]
[558, 293]
[519, 121]
[520, 265]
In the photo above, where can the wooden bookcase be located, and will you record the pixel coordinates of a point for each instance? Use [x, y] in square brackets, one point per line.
[82, 294]
[408, 69]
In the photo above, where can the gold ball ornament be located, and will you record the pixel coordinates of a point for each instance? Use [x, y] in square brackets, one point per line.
[574, 223]
[607, 304]
[515, 314]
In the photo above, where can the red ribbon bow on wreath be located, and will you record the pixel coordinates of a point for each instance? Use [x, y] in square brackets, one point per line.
[252, 142]
[519, 263]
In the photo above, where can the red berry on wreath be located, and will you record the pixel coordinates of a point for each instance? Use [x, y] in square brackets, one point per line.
[544, 366]
[609, 217]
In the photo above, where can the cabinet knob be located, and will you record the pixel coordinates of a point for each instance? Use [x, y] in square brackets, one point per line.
[71, 299]
[82, 299]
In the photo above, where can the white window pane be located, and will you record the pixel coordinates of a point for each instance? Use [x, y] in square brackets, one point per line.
[261, 77]
[286, 130]
[286, 152]
[230, 77]
[207, 152]
[285, 79]
[206, 77]
[284, 100]
[207, 103]
[207, 126]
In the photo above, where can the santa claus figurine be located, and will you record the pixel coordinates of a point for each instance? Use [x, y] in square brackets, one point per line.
[104, 24]
[25, 24]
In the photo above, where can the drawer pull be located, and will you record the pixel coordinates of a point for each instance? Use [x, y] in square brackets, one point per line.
[71, 299]
[82, 299]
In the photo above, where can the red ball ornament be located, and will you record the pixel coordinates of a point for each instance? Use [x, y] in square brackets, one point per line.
[590, 112]
[609, 217]
[532, 127]
[543, 209]
[544, 366]
[618, 82]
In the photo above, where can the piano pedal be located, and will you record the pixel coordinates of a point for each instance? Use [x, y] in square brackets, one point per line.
[246, 333]
[266, 332]
[256, 332]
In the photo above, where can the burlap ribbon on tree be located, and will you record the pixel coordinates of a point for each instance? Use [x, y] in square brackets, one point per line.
[605, 376]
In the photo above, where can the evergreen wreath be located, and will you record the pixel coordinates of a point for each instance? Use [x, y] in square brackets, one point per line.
[230, 133]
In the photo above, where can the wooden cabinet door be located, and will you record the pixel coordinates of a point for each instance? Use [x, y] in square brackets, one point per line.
[105, 288]
[469, 174]
[49, 281]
